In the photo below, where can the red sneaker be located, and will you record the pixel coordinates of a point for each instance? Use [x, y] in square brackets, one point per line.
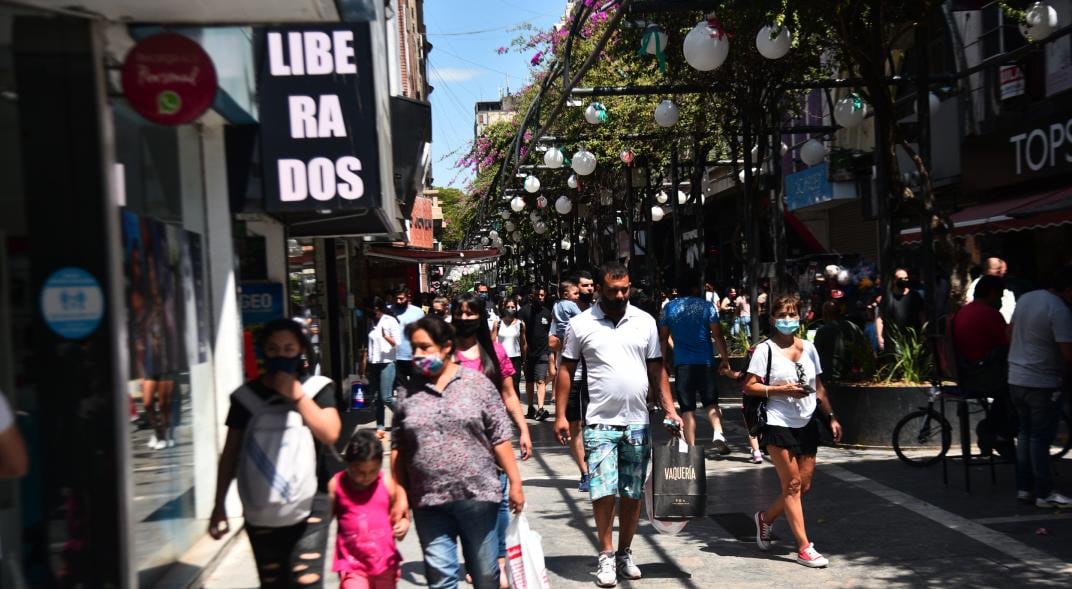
[810, 557]
[763, 531]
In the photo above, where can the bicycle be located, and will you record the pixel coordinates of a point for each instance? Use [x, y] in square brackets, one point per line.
[923, 437]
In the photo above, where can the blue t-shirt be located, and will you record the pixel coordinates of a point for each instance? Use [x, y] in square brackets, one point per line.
[411, 315]
[689, 320]
[561, 314]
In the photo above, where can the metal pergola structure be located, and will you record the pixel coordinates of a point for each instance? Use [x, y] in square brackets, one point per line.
[922, 80]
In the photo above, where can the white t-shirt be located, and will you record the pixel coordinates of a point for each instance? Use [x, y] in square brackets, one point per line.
[1042, 320]
[380, 351]
[782, 410]
[510, 337]
[617, 360]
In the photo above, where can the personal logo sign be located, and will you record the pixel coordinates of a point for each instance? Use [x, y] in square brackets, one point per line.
[318, 132]
[169, 79]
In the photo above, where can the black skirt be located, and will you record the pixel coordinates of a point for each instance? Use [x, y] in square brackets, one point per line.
[801, 441]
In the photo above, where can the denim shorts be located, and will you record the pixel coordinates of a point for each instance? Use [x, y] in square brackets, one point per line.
[617, 460]
[692, 380]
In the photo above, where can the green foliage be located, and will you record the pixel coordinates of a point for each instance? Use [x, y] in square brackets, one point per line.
[912, 360]
[458, 211]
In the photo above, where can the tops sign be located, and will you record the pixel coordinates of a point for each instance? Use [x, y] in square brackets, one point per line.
[169, 79]
[1036, 149]
[318, 132]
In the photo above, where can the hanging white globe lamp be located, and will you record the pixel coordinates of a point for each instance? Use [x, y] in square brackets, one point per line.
[666, 114]
[774, 41]
[532, 184]
[509, 226]
[657, 214]
[706, 46]
[517, 204]
[1040, 21]
[584, 162]
[541, 202]
[553, 158]
[565, 243]
[596, 113]
[812, 152]
[662, 197]
[850, 111]
[540, 227]
[572, 181]
[563, 205]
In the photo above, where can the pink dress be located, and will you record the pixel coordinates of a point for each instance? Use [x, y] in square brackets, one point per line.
[365, 542]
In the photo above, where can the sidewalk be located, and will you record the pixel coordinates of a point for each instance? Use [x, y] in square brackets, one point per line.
[881, 523]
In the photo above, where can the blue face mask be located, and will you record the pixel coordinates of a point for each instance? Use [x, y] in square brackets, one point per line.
[282, 364]
[428, 366]
[787, 326]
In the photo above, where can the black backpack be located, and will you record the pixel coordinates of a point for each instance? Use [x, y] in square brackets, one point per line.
[755, 408]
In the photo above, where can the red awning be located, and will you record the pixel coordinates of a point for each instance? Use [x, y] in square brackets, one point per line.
[1037, 211]
[420, 256]
[801, 230]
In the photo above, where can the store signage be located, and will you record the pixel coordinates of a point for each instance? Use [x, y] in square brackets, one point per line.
[261, 302]
[169, 79]
[1012, 81]
[1034, 150]
[420, 225]
[72, 303]
[318, 127]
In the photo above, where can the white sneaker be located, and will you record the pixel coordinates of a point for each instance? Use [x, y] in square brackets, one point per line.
[810, 557]
[606, 575]
[160, 445]
[1024, 496]
[1054, 500]
[171, 443]
[152, 442]
[626, 568]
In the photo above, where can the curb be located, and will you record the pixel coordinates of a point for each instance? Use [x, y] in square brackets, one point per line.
[201, 560]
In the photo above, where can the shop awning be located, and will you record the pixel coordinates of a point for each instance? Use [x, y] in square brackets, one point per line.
[810, 244]
[444, 258]
[1036, 211]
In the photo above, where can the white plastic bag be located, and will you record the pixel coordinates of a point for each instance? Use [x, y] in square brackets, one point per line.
[524, 556]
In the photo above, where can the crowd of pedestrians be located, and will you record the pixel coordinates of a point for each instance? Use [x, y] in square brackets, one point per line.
[452, 380]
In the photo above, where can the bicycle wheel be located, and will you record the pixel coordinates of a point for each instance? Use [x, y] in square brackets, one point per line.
[1062, 442]
[921, 438]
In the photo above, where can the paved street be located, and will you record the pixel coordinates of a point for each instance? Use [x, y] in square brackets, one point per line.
[881, 523]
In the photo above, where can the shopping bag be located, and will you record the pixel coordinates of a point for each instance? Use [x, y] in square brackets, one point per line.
[679, 481]
[662, 526]
[524, 556]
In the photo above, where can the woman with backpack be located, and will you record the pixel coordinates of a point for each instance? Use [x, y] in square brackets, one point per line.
[477, 350]
[450, 431]
[271, 427]
[784, 371]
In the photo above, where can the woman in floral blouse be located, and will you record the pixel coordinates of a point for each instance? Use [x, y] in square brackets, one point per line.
[450, 432]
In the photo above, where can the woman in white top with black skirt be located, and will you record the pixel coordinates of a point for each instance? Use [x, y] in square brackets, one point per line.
[511, 334]
[785, 371]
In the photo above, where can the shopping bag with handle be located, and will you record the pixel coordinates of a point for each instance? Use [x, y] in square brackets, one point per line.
[524, 555]
[679, 481]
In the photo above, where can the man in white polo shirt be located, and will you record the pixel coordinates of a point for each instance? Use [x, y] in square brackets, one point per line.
[620, 346]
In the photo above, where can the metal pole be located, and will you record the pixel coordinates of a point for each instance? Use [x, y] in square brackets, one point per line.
[777, 214]
[923, 117]
[675, 210]
[752, 234]
[881, 155]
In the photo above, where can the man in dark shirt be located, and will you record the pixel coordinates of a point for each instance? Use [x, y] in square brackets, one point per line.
[902, 308]
[979, 330]
[537, 318]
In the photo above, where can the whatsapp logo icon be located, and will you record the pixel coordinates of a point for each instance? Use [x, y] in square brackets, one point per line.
[168, 102]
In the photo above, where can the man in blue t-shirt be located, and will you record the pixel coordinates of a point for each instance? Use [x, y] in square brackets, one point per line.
[406, 314]
[686, 327]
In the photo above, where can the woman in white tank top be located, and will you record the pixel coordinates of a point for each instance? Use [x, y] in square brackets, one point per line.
[511, 335]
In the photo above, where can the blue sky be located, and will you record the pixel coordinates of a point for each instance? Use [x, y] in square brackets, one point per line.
[464, 67]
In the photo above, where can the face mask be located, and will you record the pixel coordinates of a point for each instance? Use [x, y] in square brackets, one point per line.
[401, 307]
[787, 326]
[586, 298]
[439, 313]
[903, 283]
[510, 312]
[482, 296]
[428, 365]
[466, 327]
[282, 364]
[614, 305]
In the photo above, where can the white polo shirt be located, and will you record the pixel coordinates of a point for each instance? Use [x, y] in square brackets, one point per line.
[617, 359]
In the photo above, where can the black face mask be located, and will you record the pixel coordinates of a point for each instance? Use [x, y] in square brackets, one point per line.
[614, 305]
[466, 327]
[903, 283]
[401, 307]
[586, 298]
[510, 312]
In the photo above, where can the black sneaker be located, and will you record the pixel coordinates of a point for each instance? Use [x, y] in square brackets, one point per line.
[542, 414]
[531, 413]
[720, 447]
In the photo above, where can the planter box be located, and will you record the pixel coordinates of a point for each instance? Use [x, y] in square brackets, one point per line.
[868, 412]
